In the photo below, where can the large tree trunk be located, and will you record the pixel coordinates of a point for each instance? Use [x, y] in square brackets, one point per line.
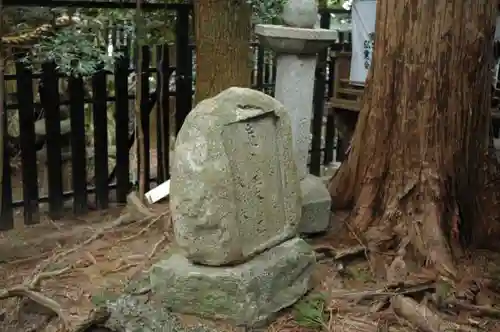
[414, 174]
[223, 59]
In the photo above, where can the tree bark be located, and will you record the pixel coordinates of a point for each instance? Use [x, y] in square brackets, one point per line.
[415, 170]
[223, 58]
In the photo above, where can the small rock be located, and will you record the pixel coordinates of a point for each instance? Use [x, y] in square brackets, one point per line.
[316, 206]
[300, 13]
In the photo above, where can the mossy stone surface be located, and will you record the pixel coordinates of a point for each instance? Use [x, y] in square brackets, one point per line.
[246, 294]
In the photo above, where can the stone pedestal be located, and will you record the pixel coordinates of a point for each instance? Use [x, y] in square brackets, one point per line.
[296, 50]
[246, 294]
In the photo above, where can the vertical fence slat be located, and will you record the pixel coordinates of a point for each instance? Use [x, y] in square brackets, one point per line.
[99, 112]
[122, 166]
[163, 114]
[274, 68]
[318, 105]
[267, 74]
[78, 148]
[114, 37]
[184, 89]
[27, 142]
[330, 121]
[49, 98]
[6, 210]
[342, 40]
[329, 139]
[260, 68]
[253, 73]
[340, 149]
[145, 110]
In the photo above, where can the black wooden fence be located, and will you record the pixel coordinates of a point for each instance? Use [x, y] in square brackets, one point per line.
[118, 179]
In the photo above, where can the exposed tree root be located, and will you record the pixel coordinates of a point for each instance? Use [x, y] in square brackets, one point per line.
[28, 288]
[28, 291]
[475, 310]
[411, 224]
[423, 318]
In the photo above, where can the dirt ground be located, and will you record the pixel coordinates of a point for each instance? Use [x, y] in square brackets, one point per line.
[79, 260]
[72, 266]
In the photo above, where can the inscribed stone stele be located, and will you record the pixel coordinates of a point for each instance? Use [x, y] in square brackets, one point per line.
[234, 185]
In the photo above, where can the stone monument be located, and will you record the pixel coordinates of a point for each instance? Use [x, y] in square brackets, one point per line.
[296, 46]
[235, 201]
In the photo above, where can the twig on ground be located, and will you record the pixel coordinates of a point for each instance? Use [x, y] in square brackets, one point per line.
[352, 324]
[157, 246]
[37, 297]
[389, 290]
[376, 307]
[45, 275]
[122, 267]
[27, 289]
[365, 248]
[153, 252]
[121, 220]
[53, 223]
[475, 310]
[27, 259]
[338, 254]
[423, 318]
[91, 258]
[145, 228]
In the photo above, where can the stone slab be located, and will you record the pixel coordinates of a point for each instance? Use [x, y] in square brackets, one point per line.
[234, 190]
[246, 294]
[316, 206]
[299, 41]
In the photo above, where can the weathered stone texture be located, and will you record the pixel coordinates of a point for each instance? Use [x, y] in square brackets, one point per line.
[316, 203]
[234, 185]
[246, 294]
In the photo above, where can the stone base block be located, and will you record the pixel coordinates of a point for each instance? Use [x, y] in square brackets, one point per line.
[247, 294]
[316, 204]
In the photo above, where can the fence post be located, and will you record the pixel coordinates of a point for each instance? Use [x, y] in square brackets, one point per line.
[7, 212]
[184, 68]
[122, 165]
[28, 143]
[163, 114]
[260, 67]
[145, 111]
[318, 103]
[49, 97]
[78, 146]
[100, 117]
[330, 121]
